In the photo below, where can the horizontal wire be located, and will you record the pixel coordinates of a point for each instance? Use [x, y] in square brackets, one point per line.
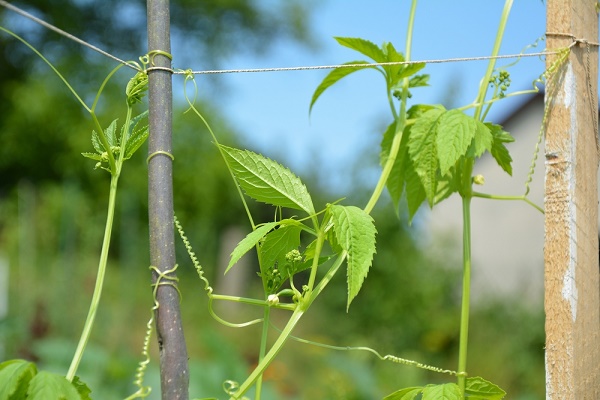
[281, 69]
[365, 65]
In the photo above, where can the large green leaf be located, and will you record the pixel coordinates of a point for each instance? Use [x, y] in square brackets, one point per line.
[355, 233]
[15, 376]
[446, 391]
[482, 141]
[249, 242]
[46, 385]
[422, 148]
[405, 394]
[334, 76]
[478, 388]
[365, 47]
[455, 132]
[267, 181]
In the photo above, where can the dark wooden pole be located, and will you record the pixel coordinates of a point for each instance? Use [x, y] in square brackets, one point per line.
[571, 245]
[173, 352]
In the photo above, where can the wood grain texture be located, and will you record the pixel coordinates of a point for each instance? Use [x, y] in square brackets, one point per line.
[572, 283]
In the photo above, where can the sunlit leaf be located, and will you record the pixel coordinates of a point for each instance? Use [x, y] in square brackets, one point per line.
[422, 148]
[111, 134]
[249, 242]
[405, 394]
[499, 151]
[478, 388]
[415, 193]
[447, 391]
[455, 132]
[355, 233]
[365, 47]
[46, 385]
[482, 141]
[267, 181]
[15, 376]
[334, 76]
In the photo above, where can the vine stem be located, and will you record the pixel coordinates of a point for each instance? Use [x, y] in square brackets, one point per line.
[400, 120]
[466, 294]
[466, 194]
[89, 322]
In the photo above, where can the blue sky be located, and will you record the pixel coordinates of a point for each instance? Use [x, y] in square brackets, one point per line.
[271, 109]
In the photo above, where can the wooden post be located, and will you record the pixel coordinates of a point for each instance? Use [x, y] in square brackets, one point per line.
[174, 373]
[572, 285]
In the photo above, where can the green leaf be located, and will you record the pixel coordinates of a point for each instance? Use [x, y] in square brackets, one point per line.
[446, 391]
[46, 385]
[482, 141]
[478, 388]
[249, 242]
[405, 394]
[415, 193]
[395, 182]
[355, 233]
[98, 146]
[83, 390]
[278, 243]
[499, 151]
[455, 132]
[137, 136]
[15, 376]
[267, 181]
[363, 46]
[419, 81]
[111, 134]
[334, 76]
[447, 185]
[93, 156]
[422, 148]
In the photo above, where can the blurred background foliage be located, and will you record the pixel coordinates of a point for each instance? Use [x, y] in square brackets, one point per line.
[52, 213]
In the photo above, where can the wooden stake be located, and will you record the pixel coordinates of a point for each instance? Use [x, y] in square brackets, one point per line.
[572, 284]
[174, 372]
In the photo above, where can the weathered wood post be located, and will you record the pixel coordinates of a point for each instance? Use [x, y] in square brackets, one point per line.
[572, 284]
[173, 352]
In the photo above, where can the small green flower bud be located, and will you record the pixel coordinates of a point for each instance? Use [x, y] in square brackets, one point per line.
[478, 180]
[273, 300]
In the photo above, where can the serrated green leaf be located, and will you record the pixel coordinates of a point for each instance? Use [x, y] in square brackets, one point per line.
[93, 156]
[355, 233]
[111, 134]
[334, 76]
[478, 388]
[405, 394]
[137, 136]
[46, 385]
[267, 181]
[249, 242]
[98, 146]
[393, 72]
[15, 376]
[499, 151]
[83, 389]
[446, 391]
[482, 141]
[135, 141]
[419, 81]
[363, 46]
[423, 151]
[278, 243]
[455, 132]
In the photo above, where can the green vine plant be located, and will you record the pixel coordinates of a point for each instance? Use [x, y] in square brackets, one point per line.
[20, 379]
[427, 154]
